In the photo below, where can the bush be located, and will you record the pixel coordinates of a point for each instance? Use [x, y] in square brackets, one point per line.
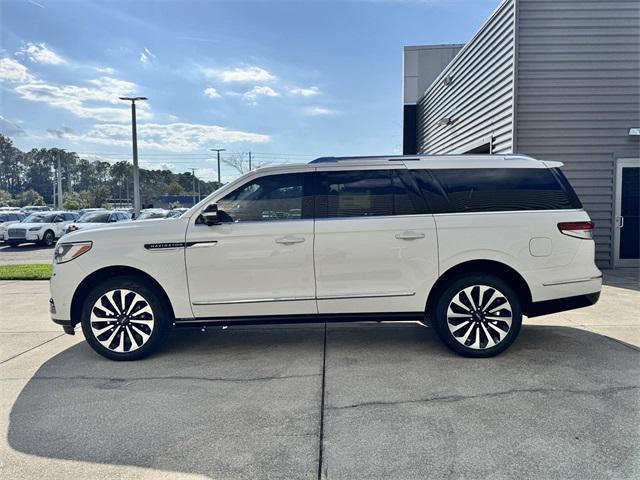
[5, 198]
[28, 197]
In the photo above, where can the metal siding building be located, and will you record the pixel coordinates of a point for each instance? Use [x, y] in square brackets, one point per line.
[555, 79]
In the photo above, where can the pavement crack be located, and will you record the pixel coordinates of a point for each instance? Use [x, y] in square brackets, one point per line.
[515, 391]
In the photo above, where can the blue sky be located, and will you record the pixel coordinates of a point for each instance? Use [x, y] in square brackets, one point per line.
[294, 78]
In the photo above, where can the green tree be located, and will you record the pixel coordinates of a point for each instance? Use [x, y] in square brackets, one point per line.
[28, 197]
[174, 188]
[72, 202]
[5, 198]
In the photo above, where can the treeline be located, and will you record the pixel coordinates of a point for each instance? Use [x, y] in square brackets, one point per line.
[27, 178]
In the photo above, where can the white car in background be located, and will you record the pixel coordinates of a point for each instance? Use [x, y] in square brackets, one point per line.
[35, 208]
[41, 227]
[152, 214]
[9, 217]
[97, 218]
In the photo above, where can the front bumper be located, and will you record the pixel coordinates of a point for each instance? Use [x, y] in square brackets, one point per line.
[66, 326]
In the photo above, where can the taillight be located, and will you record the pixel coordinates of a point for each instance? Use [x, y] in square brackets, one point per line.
[577, 229]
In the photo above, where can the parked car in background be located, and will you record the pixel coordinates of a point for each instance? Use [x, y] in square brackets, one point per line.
[96, 219]
[176, 212]
[35, 208]
[467, 243]
[10, 209]
[82, 211]
[40, 227]
[9, 217]
[152, 213]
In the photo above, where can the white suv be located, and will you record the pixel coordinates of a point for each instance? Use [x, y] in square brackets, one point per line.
[469, 243]
[40, 227]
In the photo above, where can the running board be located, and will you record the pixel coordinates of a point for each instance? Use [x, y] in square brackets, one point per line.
[305, 318]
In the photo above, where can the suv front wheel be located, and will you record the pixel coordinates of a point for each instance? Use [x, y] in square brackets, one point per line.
[125, 318]
[477, 315]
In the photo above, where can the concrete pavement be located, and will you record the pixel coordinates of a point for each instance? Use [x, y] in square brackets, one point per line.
[369, 400]
[26, 253]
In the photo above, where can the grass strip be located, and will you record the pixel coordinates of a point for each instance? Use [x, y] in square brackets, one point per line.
[26, 271]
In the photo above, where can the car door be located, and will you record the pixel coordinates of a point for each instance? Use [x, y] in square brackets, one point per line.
[259, 260]
[375, 242]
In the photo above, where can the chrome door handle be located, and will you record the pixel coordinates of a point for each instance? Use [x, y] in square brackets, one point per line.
[289, 240]
[409, 235]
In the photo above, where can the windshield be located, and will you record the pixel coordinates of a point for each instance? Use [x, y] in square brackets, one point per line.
[94, 217]
[4, 218]
[39, 218]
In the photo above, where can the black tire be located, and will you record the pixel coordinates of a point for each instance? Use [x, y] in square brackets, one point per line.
[487, 321]
[129, 328]
[48, 239]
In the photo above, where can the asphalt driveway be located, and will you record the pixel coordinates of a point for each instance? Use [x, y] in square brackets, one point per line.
[343, 401]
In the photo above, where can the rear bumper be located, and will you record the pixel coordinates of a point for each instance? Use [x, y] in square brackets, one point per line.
[548, 307]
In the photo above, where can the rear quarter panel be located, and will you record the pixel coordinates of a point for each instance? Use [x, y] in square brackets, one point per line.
[506, 237]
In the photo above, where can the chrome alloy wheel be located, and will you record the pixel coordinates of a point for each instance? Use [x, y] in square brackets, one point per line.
[122, 320]
[479, 317]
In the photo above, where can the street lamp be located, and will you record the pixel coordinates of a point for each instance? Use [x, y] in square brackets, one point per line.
[218, 150]
[134, 135]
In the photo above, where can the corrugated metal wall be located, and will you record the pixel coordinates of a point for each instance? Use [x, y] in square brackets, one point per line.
[479, 99]
[578, 93]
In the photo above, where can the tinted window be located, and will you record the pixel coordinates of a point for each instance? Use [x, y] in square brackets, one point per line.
[365, 193]
[269, 198]
[495, 189]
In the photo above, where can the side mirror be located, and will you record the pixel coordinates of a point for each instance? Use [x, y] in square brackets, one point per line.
[58, 220]
[210, 215]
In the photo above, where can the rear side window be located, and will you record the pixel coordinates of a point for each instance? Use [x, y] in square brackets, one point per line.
[365, 193]
[496, 189]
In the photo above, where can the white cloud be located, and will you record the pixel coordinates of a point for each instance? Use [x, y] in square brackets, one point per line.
[174, 137]
[13, 71]
[241, 75]
[40, 53]
[252, 95]
[211, 92]
[305, 92]
[146, 57]
[80, 100]
[318, 111]
[107, 70]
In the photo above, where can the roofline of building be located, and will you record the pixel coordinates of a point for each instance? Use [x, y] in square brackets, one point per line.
[482, 28]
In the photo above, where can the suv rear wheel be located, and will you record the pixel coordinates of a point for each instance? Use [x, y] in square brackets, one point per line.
[125, 318]
[478, 315]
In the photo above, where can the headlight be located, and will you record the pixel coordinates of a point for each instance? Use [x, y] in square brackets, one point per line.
[34, 229]
[65, 252]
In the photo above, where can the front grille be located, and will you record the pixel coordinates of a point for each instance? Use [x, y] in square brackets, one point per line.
[17, 233]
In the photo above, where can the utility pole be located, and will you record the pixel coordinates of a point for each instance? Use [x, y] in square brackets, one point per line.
[134, 137]
[249, 161]
[199, 196]
[59, 184]
[218, 150]
[193, 188]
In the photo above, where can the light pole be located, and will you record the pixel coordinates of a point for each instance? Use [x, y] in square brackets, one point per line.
[134, 136]
[193, 187]
[218, 150]
[60, 199]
